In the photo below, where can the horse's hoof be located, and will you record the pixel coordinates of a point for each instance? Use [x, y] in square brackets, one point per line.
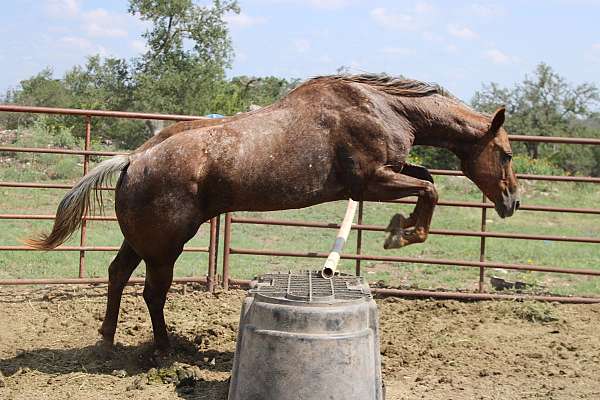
[106, 338]
[161, 356]
[395, 241]
[396, 223]
[104, 349]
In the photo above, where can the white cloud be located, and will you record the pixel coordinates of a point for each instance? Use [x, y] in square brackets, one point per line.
[331, 4]
[323, 4]
[423, 7]
[390, 20]
[243, 20]
[487, 10]
[62, 8]
[462, 32]
[82, 44]
[101, 23]
[94, 23]
[498, 57]
[398, 51]
[302, 45]
[77, 42]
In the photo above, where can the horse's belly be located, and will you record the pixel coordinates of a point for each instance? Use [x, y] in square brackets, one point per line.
[264, 194]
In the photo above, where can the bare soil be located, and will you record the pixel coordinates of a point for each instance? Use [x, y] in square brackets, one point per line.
[431, 349]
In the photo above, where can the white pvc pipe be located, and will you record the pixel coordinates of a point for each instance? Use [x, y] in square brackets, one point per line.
[333, 259]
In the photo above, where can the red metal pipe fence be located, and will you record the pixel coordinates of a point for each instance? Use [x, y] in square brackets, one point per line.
[211, 279]
[86, 152]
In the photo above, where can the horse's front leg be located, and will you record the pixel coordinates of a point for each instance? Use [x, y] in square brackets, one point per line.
[398, 221]
[389, 185]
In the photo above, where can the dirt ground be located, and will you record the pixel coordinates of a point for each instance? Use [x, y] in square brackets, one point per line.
[431, 349]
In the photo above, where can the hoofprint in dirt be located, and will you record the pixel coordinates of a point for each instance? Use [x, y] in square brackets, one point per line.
[431, 349]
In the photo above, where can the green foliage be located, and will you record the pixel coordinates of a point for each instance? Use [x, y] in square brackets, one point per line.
[173, 76]
[243, 92]
[544, 104]
[44, 132]
[433, 157]
[522, 164]
[65, 168]
[41, 90]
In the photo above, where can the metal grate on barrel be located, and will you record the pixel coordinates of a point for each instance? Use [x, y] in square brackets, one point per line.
[310, 286]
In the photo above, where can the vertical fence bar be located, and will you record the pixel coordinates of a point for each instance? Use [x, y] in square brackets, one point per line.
[359, 237]
[482, 246]
[212, 261]
[217, 239]
[86, 163]
[226, 247]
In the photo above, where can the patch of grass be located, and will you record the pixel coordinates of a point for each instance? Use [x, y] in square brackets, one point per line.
[532, 311]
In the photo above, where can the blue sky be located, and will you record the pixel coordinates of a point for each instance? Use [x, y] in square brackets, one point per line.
[459, 44]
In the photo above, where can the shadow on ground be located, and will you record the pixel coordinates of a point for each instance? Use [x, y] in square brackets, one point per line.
[191, 371]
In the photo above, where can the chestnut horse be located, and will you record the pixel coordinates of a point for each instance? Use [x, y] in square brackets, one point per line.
[332, 138]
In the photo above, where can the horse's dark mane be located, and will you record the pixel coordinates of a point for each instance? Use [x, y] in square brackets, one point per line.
[396, 86]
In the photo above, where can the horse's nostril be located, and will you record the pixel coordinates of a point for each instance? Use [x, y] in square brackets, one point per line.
[517, 204]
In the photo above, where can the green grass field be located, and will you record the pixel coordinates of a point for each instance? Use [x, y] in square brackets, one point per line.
[20, 264]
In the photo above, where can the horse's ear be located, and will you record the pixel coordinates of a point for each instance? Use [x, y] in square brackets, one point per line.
[498, 120]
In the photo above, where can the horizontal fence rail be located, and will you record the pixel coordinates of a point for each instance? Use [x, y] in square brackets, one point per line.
[447, 232]
[417, 260]
[90, 248]
[96, 113]
[210, 278]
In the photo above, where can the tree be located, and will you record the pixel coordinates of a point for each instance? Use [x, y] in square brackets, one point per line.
[101, 84]
[542, 105]
[189, 49]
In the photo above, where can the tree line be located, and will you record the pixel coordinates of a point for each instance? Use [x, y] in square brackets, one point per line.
[183, 71]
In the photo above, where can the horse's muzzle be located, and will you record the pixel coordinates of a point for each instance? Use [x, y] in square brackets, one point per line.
[508, 205]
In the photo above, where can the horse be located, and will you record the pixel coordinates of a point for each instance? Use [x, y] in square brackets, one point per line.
[332, 138]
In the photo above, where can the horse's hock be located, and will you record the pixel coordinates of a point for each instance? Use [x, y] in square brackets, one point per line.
[303, 336]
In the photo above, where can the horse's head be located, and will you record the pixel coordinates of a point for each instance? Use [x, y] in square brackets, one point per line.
[489, 165]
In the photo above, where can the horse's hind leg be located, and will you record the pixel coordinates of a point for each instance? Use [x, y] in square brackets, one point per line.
[159, 276]
[119, 271]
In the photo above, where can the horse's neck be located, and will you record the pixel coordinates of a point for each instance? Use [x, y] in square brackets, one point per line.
[441, 122]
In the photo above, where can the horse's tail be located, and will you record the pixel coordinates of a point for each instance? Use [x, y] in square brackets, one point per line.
[74, 205]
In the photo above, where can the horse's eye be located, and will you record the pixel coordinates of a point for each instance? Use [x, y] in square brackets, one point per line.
[506, 158]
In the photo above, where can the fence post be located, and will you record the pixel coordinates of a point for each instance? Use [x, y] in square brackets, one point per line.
[212, 261]
[86, 162]
[226, 247]
[359, 237]
[482, 245]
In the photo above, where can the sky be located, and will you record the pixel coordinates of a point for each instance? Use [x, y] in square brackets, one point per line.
[458, 44]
